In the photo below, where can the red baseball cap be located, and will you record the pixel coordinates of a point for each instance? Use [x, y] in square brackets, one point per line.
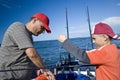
[102, 28]
[44, 19]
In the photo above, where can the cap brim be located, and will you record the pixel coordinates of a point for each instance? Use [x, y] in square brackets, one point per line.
[116, 36]
[47, 28]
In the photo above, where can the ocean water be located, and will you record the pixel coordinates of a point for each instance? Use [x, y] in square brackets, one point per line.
[51, 50]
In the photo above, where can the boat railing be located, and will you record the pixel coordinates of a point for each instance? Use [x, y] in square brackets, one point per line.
[71, 68]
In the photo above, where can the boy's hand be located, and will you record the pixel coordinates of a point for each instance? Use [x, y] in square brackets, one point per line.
[62, 38]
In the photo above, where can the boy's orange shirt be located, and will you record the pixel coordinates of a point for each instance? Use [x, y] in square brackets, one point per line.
[107, 59]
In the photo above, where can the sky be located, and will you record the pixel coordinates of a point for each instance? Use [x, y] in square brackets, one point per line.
[107, 11]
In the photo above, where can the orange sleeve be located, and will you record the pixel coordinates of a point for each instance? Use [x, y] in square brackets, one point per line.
[98, 56]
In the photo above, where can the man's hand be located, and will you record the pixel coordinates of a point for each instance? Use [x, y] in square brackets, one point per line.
[49, 75]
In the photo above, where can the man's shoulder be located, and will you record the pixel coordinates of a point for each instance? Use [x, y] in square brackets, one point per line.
[16, 25]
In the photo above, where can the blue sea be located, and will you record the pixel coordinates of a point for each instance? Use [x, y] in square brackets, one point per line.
[51, 50]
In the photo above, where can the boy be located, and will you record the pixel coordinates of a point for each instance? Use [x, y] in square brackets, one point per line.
[106, 56]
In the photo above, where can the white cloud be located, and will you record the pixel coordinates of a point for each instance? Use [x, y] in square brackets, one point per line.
[114, 21]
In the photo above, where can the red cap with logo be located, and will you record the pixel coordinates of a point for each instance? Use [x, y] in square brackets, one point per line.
[102, 28]
[44, 19]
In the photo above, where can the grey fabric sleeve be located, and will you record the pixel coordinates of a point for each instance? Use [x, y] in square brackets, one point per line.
[76, 51]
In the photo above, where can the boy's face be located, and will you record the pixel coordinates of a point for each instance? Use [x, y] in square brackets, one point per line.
[99, 39]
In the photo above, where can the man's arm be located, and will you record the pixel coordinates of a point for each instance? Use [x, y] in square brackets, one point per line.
[35, 57]
[37, 60]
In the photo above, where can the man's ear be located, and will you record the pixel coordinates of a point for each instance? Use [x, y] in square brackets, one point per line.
[34, 20]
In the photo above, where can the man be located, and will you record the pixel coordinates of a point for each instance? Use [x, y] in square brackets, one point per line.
[17, 50]
[106, 57]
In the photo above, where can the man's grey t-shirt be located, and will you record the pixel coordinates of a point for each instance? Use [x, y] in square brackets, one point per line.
[12, 52]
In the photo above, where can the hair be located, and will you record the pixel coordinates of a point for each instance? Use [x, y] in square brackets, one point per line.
[31, 19]
[110, 38]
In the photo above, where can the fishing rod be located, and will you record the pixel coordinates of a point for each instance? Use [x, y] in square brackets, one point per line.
[67, 24]
[69, 57]
[89, 26]
[19, 69]
[6, 70]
